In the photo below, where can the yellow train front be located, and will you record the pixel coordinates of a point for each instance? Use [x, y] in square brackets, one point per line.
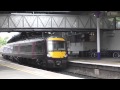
[57, 56]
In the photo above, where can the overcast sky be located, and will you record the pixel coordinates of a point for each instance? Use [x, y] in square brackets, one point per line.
[10, 35]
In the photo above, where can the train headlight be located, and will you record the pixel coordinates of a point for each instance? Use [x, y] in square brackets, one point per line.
[58, 62]
[48, 55]
[66, 55]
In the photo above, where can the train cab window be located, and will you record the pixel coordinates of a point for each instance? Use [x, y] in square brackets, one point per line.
[56, 45]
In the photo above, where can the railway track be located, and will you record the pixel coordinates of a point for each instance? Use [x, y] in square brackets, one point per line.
[78, 75]
[74, 74]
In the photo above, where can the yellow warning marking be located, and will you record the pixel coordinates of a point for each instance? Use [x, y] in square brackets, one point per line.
[57, 54]
[59, 39]
[30, 72]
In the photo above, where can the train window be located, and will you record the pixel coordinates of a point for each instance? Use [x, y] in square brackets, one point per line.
[15, 48]
[39, 47]
[28, 48]
[23, 48]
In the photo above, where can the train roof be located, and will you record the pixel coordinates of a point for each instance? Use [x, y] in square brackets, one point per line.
[27, 41]
[32, 40]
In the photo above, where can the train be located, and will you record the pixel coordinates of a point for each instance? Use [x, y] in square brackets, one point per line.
[50, 52]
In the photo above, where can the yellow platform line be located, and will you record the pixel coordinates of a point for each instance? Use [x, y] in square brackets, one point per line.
[26, 71]
[38, 72]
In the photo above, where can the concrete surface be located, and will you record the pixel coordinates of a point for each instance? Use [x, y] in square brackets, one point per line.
[115, 62]
[9, 70]
[106, 68]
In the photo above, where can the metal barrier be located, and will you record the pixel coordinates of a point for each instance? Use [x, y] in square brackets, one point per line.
[116, 55]
[93, 53]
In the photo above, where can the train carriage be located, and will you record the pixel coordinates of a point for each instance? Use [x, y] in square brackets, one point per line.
[48, 52]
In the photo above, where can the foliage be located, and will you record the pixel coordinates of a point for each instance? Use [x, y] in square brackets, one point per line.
[3, 41]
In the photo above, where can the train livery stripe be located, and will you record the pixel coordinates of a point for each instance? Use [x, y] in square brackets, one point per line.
[59, 39]
[33, 49]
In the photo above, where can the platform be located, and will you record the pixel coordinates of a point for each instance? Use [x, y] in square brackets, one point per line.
[115, 62]
[9, 70]
[106, 68]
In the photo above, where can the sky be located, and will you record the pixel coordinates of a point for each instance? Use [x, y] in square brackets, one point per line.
[6, 34]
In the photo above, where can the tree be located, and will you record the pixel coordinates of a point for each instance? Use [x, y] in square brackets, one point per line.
[3, 41]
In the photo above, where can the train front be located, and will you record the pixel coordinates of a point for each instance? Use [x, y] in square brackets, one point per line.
[57, 52]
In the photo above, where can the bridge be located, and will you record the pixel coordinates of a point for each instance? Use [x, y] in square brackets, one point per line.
[19, 22]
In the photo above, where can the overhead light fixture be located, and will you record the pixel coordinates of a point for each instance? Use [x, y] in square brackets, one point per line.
[39, 12]
[21, 13]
